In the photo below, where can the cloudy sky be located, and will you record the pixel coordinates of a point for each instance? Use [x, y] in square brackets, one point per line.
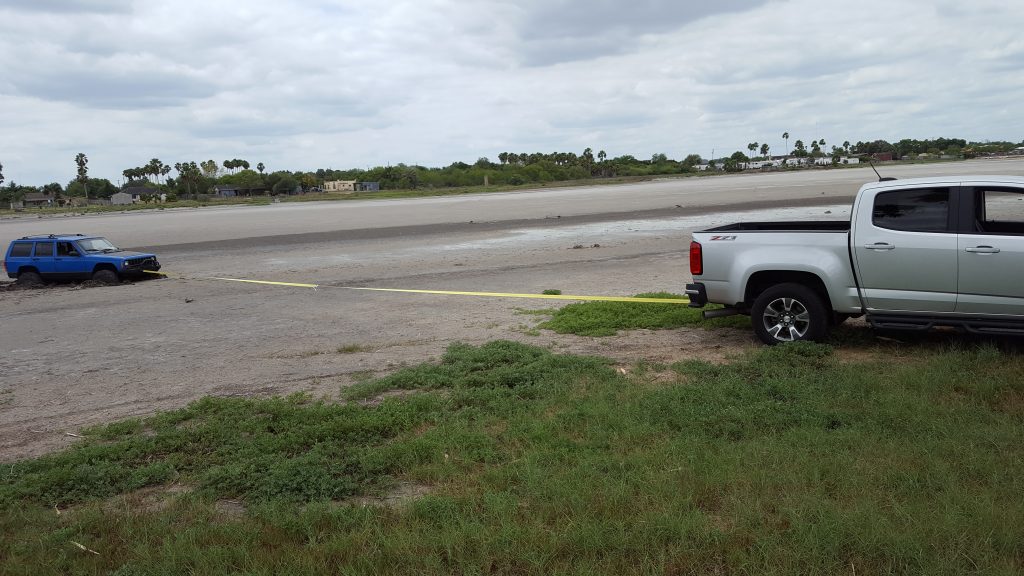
[358, 83]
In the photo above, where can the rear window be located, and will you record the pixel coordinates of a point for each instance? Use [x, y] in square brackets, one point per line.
[44, 248]
[21, 250]
[920, 210]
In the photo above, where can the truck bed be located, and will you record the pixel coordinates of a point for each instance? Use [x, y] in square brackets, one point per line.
[795, 226]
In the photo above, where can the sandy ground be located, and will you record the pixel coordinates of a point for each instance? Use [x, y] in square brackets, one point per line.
[75, 356]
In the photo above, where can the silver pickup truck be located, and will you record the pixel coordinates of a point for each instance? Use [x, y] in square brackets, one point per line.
[915, 254]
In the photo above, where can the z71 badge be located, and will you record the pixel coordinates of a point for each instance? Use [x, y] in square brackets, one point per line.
[713, 238]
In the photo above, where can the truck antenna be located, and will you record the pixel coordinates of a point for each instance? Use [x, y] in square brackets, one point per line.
[880, 177]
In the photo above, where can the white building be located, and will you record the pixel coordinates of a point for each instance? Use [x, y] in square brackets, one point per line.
[340, 186]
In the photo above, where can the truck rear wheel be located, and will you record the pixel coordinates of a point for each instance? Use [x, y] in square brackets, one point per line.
[789, 313]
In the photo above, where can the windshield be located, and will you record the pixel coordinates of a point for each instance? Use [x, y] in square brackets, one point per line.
[97, 245]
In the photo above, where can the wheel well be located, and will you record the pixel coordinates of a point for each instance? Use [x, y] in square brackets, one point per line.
[104, 267]
[27, 269]
[761, 281]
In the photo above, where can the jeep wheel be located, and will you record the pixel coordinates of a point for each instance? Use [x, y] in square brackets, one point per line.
[789, 313]
[105, 276]
[29, 278]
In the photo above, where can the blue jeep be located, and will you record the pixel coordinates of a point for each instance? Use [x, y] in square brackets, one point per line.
[33, 259]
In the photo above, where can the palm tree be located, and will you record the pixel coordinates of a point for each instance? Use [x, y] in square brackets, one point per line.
[752, 147]
[785, 136]
[83, 172]
[602, 155]
[846, 146]
[260, 167]
[764, 149]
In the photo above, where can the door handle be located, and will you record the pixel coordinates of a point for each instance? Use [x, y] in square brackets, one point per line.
[982, 250]
[879, 246]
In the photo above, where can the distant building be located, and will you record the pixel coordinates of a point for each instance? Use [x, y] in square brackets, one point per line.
[368, 186]
[340, 186]
[37, 200]
[827, 160]
[136, 194]
[224, 191]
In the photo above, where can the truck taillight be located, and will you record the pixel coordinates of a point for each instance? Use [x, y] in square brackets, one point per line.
[696, 259]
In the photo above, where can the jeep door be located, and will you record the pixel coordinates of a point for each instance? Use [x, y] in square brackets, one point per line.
[42, 257]
[70, 261]
[905, 247]
[991, 251]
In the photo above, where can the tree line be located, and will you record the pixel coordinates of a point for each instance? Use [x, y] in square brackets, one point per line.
[192, 179]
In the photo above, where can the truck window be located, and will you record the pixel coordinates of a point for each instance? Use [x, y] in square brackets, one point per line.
[999, 211]
[44, 249]
[919, 210]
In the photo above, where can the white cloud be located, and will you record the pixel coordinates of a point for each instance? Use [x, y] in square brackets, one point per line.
[347, 83]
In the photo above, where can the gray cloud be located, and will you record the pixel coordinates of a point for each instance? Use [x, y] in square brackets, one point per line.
[115, 91]
[570, 30]
[68, 6]
[362, 82]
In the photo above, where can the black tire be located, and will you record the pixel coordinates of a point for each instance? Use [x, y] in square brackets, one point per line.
[106, 276]
[789, 313]
[29, 278]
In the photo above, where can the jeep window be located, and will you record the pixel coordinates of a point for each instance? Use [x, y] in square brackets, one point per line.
[44, 249]
[921, 210]
[66, 249]
[21, 250]
[97, 245]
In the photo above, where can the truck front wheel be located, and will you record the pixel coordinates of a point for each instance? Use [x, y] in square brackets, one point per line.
[789, 313]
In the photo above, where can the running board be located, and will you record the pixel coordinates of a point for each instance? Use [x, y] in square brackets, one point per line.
[974, 325]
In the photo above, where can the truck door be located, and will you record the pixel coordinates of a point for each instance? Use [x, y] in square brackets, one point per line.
[905, 248]
[991, 252]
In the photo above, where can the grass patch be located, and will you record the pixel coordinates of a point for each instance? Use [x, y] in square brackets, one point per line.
[98, 208]
[607, 318]
[536, 312]
[552, 292]
[353, 348]
[786, 461]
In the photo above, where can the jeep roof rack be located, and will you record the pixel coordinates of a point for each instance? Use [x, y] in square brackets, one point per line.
[48, 236]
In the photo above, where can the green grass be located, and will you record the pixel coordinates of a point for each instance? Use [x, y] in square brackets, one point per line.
[608, 318]
[552, 292]
[787, 461]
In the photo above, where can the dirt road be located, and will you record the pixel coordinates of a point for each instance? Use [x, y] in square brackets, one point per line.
[74, 356]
